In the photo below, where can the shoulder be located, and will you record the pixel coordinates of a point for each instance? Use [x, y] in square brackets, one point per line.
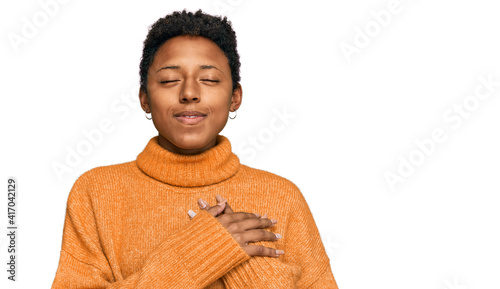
[102, 172]
[274, 182]
[98, 177]
[116, 170]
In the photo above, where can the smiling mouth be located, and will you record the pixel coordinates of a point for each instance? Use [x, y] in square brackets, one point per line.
[190, 120]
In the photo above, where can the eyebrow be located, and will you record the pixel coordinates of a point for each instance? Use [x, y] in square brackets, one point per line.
[178, 67]
[209, 67]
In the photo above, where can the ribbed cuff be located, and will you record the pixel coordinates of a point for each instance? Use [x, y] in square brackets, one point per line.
[204, 251]
[263, 272]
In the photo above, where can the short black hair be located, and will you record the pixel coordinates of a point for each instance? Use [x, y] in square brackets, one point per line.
[215, 28]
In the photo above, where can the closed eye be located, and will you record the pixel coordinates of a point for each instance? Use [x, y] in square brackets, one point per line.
[210, 80]
[169, 81]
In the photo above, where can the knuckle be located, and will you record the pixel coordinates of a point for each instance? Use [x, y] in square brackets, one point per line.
[238, 238]
[225, 219]
[233, 227]
[249, 215]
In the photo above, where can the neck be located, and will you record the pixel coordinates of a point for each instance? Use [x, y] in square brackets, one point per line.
[168, 145]
[211, 166]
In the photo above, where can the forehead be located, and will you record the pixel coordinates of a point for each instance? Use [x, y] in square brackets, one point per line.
[185, 50]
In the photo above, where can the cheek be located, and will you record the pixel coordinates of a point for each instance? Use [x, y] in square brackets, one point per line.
[162, 108]
[220, 109]
[222, 103]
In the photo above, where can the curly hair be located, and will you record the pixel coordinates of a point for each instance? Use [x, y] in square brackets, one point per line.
[215, 28]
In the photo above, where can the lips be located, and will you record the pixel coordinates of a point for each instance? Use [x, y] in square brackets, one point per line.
[190, 113]
[190, 117]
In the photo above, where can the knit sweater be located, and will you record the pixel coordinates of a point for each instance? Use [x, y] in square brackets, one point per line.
[127, 226]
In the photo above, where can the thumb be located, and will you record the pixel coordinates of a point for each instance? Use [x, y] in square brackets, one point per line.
[217, 209]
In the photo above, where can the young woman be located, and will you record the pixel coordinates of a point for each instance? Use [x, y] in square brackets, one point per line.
[127, 225]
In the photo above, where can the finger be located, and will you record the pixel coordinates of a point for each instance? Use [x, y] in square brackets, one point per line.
[257, 235]
[217, 209]
[238, 217]
[255, 223]
[258, 250]
[203, 204]
[220, 199]
[228, 209]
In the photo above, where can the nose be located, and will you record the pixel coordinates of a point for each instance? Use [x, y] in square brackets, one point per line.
[189, 91]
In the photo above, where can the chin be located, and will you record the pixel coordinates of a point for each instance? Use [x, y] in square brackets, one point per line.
[189, 141]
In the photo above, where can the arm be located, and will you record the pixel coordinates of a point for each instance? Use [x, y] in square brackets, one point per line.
[194, 257]
[326, 280]
[304, 265]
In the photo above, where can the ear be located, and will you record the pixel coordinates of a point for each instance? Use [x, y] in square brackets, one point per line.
[144, 100]
[236, 98]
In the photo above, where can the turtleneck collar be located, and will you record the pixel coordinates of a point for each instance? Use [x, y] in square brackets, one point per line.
[209, 167]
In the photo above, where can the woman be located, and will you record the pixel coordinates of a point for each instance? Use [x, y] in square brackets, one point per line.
[127, 225]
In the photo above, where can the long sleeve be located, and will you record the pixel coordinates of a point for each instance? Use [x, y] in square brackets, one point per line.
[305, 263]
[193, 257]
[326, 280]
[126, 226]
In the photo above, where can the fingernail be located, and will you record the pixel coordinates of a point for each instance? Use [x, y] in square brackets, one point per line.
[274, 221]
[191, 213]
[258, 215]
[278, 236]
[280, 252]
[202, 203]
[265, 215]
[220, 200]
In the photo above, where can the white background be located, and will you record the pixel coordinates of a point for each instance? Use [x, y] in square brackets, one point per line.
[354, 122]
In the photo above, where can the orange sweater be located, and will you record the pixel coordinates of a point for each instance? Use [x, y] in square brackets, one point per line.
[127, 226]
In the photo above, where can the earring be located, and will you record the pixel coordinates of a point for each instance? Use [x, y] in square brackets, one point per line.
[147, 111]
[235, 114]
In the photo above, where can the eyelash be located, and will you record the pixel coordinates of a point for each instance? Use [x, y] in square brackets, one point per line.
[209, 80]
